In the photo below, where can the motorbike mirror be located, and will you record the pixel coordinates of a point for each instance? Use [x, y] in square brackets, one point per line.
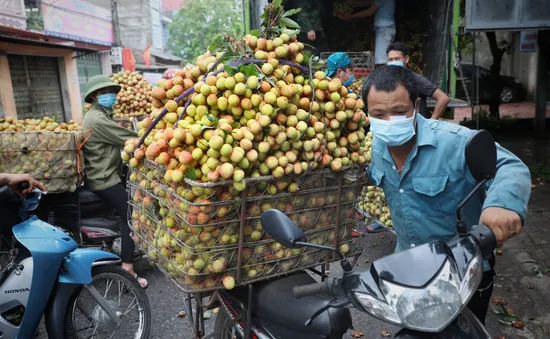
[481, 159]
[282, 229]
[481, 155]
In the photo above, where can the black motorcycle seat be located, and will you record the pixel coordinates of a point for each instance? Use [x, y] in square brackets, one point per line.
[85, 196]
[274, 302]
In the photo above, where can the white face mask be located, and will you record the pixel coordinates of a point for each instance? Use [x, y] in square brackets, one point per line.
[394, 132]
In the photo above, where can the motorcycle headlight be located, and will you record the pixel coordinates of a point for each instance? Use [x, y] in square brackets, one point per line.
[432, 307]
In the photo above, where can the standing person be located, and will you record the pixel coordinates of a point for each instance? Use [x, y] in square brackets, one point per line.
[102, 158]
[398, 55]
[384, 26]
[340, 66]
[309, 19]
[420, 164]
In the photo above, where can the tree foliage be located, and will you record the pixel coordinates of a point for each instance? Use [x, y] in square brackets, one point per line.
[197, 24]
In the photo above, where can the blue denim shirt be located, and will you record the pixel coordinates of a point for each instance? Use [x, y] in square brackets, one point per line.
[385, 14]
[436, 179]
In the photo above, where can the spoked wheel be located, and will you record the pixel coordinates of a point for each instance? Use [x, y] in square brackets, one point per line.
[224, 328]
[85, 318]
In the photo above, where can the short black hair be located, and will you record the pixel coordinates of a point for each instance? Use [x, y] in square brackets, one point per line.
[398, 46]
[388, 78]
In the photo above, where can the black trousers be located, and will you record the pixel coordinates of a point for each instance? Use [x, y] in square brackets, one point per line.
[479, 304]
[116, 197]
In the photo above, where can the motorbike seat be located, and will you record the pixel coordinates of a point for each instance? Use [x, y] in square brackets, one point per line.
[86, 196]
[275, 303]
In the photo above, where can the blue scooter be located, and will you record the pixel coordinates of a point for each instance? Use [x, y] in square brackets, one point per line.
[80, 292]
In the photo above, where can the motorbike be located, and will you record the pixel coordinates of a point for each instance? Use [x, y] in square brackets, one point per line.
[80, 291]
[87, 219]
[424, 290]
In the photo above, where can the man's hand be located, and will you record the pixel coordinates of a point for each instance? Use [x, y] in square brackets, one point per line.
[504, 223]
[311, 35]
[13, 181]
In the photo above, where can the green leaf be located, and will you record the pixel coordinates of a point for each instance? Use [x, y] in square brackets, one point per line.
[291, 12]
[207, 127]
[226, 131]
[190, 174]
[255, 32]
[287, 22]
[211, 117]
[249, 70]
[54, 118]
[235, 125]
[216, 44]
[231, 70]
[277, 3]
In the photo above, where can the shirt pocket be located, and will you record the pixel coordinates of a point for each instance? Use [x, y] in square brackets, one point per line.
[431, 189]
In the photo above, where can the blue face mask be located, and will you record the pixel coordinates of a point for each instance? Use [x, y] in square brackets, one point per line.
[394, 132]
[350, 80]
[106, 100]
[397, 63]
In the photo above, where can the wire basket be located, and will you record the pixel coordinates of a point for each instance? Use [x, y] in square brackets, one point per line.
[360, 60]
[52, 158]
[209, 236]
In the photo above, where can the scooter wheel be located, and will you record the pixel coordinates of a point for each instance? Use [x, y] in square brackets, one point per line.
[85, 318]
[223, 329]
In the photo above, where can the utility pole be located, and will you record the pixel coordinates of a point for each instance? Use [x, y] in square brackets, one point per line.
[542, 84]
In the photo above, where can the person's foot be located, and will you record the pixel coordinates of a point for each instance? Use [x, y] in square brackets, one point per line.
[130, 269]
[375, 228]
[142, 281]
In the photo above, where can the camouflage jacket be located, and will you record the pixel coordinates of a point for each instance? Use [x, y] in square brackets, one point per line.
[309, 18]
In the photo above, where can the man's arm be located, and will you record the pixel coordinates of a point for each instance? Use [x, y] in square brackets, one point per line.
[505, 207]
[363, 14]
[111, 132]
[309, 18]
[442, 100]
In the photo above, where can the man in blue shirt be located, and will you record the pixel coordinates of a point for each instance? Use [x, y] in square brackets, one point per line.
[420, 164]
[384, 25]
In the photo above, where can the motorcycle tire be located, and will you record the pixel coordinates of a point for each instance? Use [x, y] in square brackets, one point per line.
[115, 273]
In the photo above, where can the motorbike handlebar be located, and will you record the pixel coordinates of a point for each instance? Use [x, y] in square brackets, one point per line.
[23, 185]
[311, 289]
[486, 239]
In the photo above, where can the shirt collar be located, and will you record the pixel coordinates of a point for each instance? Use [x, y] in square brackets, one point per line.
[100, 108]
[425, 131]
[425, 136]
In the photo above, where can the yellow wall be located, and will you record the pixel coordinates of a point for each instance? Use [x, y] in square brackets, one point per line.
[6, 90]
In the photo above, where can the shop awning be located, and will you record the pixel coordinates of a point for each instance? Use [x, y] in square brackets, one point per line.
[24, 37]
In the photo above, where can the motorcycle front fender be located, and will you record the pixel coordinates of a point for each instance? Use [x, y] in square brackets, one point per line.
[56, 310]
[465, 326]
[77, 269]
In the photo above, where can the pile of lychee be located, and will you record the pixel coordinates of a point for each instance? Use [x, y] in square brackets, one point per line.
[45, 124]
[271, 117]
[134, 98]
[275, 122]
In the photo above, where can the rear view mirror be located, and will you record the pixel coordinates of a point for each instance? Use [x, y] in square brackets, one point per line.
[481, 155]
[282, 229]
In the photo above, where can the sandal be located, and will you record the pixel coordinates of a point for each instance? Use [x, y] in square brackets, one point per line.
[142, 282]
[375, 228]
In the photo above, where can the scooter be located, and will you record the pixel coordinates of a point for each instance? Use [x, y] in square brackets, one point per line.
[80, 292]
[88, 220]
[424, 290]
